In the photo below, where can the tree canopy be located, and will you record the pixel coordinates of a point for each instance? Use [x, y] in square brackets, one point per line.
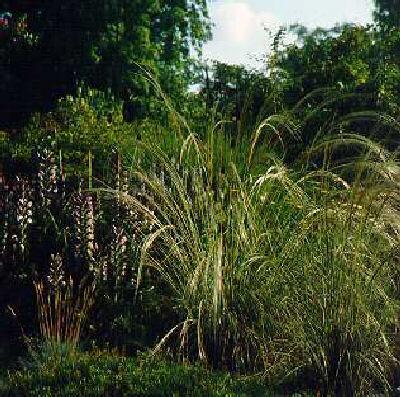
[387, 13]
[48, 47]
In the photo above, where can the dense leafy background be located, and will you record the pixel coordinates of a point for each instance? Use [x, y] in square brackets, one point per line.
[249, 227]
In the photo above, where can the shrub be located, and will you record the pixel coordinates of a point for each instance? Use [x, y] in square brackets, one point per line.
[66, 372]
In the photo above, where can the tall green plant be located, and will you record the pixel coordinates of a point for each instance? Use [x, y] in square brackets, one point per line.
[287, 271]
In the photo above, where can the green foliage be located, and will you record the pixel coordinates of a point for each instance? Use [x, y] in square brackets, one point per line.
[327, 60]
[81, 145]
[353, 59]
[285, 271]
[255, 230]
[106, 44]
[237, 95]
[63, 372]
[222, 252]
[387, 13]
[327, 77]
[88, 121]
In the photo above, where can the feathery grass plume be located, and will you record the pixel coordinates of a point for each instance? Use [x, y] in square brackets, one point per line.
[208, 240]
[339, 270]
[292, 273]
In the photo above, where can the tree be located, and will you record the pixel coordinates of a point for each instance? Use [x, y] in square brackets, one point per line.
[235, 93]
[101, 42]
[387, 13]
[328, 77]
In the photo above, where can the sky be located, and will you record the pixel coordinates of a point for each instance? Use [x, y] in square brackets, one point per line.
[239, 35]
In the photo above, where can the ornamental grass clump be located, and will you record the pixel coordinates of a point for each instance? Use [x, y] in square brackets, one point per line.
[290, 272]
[340, 272]
[62, 306]
[206, 233]
[213, 232]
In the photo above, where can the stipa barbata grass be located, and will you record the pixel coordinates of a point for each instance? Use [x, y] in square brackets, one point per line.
[286, 271]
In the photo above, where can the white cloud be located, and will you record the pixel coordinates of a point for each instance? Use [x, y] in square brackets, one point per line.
[239, 34]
